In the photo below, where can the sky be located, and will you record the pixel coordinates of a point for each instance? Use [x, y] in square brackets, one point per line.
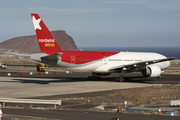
[97, 23]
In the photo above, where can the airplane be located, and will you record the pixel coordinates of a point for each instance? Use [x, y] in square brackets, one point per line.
[99, 63]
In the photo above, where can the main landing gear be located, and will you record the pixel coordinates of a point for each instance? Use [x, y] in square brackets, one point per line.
[94, 77]
[120, 79]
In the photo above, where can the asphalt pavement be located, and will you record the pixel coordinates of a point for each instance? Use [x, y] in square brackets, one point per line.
[84, 115]
[70, 77]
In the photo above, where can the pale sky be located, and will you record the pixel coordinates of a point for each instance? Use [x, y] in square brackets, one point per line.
[97, 23]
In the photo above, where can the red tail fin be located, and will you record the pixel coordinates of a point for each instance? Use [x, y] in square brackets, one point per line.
[47, 43]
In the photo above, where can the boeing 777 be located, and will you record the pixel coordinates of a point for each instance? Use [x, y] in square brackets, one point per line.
[99, 63]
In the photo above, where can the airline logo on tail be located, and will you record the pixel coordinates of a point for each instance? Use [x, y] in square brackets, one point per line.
[47, 43]
[36, 23]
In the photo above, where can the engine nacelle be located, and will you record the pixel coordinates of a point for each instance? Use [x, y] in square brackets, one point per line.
[152, 71]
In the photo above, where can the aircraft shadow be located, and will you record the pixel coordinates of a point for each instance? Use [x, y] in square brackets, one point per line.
[71, 80]
[44, 81]
[47, 79]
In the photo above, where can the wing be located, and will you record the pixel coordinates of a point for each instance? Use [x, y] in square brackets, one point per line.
[139, 64]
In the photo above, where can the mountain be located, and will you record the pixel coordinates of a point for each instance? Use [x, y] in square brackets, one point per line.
[29, 44]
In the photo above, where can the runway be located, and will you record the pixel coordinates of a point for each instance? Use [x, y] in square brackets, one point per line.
[26, 85]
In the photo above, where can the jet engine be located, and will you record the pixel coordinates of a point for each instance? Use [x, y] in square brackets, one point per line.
[151, 71]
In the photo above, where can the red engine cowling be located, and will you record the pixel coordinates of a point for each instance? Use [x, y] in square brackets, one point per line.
[152, 71]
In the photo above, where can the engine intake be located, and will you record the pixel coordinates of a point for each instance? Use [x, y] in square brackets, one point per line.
[151, 71]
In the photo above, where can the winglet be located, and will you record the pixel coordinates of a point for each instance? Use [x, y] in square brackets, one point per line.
[46, 41]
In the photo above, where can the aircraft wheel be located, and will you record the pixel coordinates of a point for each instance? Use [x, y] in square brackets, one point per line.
[159, 77]
[94, 78]
[126, 79]
[117, 79]
[89, 78]
[98, 78]
[120, 79]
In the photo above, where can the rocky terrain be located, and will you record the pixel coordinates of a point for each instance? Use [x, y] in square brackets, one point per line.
[29, 44]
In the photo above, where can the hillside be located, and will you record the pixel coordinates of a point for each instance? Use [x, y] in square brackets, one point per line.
[29, 44]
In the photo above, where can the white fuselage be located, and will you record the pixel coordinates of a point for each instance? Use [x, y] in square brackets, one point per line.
[120, 59]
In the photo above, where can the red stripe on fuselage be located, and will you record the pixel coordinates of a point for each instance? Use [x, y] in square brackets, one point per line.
[81, 57]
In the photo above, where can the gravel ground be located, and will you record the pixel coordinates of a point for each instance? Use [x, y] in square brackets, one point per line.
[159, 95]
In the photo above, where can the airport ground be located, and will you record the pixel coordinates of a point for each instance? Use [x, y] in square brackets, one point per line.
[75, 90]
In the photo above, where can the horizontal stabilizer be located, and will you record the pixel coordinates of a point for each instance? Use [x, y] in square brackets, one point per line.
[27, 55]
[55, 56]
[51, 59]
